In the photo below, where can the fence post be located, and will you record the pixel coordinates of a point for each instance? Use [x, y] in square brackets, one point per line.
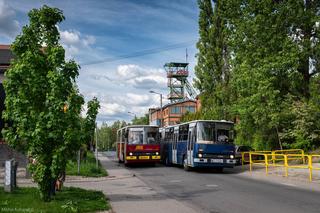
[250, 159]
[286, 164]
[273, 157]
[266, 162]
[310, 167]
[303, 159]
[242, 159]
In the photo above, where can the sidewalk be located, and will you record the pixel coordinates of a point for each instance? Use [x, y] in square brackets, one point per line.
[128, 193]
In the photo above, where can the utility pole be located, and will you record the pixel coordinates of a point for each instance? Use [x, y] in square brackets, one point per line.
[96, 146]
[161, 113]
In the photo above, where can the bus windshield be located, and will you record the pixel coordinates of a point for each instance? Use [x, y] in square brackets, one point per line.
[143, 135]
[135, 136]
[206, 133]
[152, 135]
[211, 133]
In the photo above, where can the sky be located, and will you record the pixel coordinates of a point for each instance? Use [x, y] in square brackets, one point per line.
[104, 35]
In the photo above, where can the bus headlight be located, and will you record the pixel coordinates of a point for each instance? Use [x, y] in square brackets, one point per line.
[231, 156]
[157, 153]
[130, 153]
[200, 155]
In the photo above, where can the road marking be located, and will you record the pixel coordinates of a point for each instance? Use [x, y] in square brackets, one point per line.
[175, 181]
[211, 185]
[288, 184]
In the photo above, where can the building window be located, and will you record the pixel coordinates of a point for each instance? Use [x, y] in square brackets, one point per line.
[175, 110]
[190, 109]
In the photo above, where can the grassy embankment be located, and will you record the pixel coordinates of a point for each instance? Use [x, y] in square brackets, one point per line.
[68, 200]
[87, 167]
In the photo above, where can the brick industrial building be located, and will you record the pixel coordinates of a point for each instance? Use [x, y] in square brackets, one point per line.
[171, 113]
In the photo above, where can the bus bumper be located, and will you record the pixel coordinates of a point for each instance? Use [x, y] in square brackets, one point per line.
[143, 159]
[212, 163]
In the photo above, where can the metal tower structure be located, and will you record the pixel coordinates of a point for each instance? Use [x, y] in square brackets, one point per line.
[177, 74]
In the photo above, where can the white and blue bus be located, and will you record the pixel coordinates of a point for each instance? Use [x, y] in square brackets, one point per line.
[200, 143]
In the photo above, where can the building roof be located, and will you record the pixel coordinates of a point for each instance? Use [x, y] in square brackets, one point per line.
[171, 104]
[5, 54]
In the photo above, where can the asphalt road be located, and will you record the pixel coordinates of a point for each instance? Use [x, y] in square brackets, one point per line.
[207, 191]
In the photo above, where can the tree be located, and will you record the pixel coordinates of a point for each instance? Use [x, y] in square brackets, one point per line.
[259, 62]
[213, 70]
[90, 121]
[42, 98]
[107, 135]
[144, 120]
[272, 47]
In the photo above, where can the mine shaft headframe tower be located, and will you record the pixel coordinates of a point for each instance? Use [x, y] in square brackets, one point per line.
[177, 74]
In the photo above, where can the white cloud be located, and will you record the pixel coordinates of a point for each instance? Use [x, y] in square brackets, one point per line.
[128, 71]
[9, 27]
[111, 108]
[123, 88]
[141, 77]
[76, 43]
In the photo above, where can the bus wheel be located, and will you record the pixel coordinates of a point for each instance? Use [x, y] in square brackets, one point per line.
[185, 164]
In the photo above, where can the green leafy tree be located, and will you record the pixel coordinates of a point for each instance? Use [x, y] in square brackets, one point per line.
[90, 121]
[144, 120]
[272, 49]
[107, 135]
[42, 98]
[213, 70]
[259, 62]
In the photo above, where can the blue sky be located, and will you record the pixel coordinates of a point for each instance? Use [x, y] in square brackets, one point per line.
[96, 30]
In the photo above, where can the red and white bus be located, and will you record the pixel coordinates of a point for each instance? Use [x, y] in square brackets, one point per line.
[138, 144]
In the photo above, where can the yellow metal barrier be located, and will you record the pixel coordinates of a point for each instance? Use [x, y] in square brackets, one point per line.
[299, 152]
[310, 163]
[268, 158]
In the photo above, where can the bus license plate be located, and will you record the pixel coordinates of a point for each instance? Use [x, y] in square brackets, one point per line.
[143, 157]
[216, 160]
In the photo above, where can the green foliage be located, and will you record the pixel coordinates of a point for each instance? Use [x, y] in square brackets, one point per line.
[68, 200]
[258, 63]
[43, 97]
[90, 120]
[87, 167]
[304, 131]
[190, 116]
[144, 120]
[107, 135]
[213, 70]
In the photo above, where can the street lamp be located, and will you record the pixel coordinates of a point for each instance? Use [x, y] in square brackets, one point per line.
[161, 119]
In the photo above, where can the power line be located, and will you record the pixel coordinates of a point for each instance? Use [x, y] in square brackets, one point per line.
[141, 53]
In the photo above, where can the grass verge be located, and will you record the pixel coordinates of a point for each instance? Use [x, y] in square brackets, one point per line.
[87, 168]
[70, 199]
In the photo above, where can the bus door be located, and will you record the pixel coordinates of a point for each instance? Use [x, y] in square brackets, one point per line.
[174, 146]
[190, 144]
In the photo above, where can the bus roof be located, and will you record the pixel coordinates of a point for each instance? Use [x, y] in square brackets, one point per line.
[135, 126]
[194, 121]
